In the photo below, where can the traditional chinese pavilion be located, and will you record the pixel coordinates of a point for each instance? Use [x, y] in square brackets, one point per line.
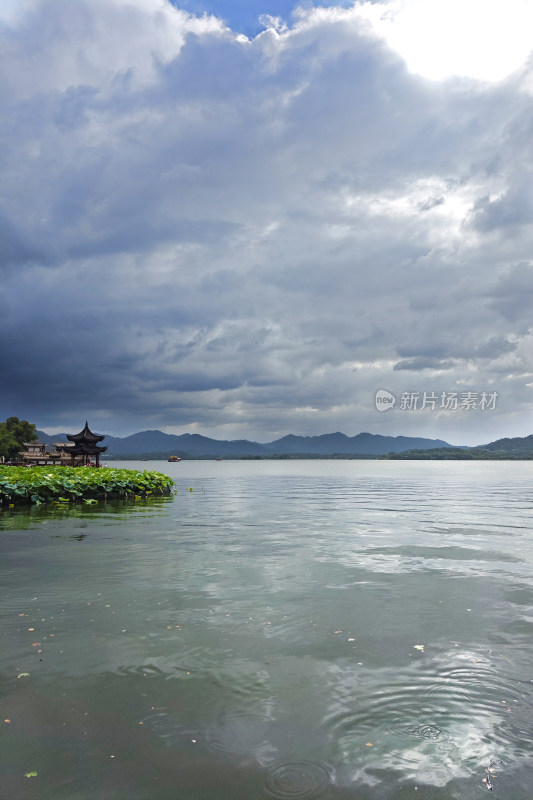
[84, 446]
[37, 454]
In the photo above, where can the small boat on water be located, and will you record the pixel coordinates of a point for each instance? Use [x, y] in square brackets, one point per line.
[174, 458]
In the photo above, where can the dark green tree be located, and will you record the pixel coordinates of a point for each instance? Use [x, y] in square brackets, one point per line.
[13, 433]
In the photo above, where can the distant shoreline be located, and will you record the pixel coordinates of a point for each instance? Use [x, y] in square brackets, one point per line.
[457, 454]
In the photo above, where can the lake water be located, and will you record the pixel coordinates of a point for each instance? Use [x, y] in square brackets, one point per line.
[287, 630]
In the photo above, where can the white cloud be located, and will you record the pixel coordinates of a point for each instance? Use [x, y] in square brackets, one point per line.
[442, 38]
[55, 45]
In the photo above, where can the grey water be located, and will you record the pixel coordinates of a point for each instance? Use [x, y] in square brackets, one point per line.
[292, 629]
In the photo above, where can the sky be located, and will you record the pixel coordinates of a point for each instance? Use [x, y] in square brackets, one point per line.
[245, 219]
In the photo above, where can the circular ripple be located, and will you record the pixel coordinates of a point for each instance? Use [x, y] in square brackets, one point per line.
[483, 699]
[425, 732]
[239, 733]
[393, 707]
[164, 726]
[296, 779]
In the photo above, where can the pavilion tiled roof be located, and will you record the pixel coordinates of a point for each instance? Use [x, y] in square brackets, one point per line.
[86, 436]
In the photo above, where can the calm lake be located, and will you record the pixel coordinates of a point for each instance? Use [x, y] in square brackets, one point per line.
[286, 630]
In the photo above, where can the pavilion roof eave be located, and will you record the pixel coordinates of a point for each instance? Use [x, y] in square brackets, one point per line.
[85, 450]
[86, 435]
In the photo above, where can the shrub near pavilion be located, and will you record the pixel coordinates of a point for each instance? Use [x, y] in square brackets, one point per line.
[25, 485]
[13, 433]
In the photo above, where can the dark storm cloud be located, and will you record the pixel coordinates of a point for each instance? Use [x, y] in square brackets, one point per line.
[16, 250]
[247, 237]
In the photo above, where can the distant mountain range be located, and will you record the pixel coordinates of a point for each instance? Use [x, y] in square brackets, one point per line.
[159, 445]
[156, 444]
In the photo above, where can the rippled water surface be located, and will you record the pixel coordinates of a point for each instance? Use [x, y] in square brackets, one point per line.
[322, 629]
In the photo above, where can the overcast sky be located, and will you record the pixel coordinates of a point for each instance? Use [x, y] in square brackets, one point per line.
[243, 218]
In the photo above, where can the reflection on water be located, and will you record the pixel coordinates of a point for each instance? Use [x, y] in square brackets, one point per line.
[23, 518]
[286, 630]
[240, 733]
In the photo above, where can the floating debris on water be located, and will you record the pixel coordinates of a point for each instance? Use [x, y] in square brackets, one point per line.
[486, 780]
[489, 774]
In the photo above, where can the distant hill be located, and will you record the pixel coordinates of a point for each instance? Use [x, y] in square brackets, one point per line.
[517, 448]
[156, 444]
[339, 443]
[189, 444]
[519, 444]
[48, 439]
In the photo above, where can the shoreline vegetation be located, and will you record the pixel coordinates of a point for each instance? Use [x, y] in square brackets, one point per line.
[458, 454]
[64, 485]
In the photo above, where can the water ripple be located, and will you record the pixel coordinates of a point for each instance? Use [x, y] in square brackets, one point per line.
[425, 732]
[295, 779]
[433, 724]
[163, 726]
